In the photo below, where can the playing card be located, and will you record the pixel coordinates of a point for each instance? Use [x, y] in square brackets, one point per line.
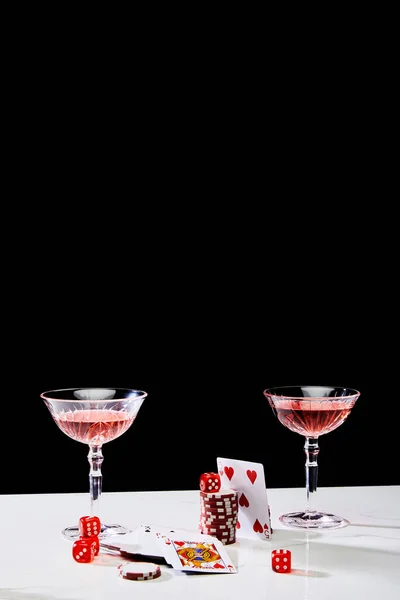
[247, 478]
[143, 539]
[201, 554]
[160, 531]
[137, 541]
[155, 529]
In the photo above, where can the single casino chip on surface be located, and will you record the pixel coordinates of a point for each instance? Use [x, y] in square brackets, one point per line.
[139, 571]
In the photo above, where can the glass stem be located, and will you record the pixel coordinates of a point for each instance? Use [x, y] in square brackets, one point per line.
[311, 449]
[95, 458]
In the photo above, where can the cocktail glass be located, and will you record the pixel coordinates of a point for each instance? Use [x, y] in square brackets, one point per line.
[312, 411]
[94, 416]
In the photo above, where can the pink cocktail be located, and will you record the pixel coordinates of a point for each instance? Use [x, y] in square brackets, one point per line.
[312, 411]
[312, 419]
[94, 426]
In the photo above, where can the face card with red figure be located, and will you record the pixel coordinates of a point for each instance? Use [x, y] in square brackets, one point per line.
[197, 555]
[247, 478]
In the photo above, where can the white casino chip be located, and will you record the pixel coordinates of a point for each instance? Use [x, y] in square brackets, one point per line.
[139, 571]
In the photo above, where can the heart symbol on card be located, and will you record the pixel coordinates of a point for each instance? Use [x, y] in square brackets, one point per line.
[221, 473]
[229, 472]
[238, 525]
[257, 526]
[179, 543]
[266, 526]
[218, 566]
[252, 475]
[243, 501]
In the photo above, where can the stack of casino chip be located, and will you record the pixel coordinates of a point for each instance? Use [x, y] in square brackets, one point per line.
[219, 514]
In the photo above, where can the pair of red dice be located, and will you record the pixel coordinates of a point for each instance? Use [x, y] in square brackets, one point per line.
[87, 546]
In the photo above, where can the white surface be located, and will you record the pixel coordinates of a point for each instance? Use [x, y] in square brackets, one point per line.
[360, 561]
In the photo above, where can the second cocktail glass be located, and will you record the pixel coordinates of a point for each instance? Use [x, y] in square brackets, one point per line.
[312, 411]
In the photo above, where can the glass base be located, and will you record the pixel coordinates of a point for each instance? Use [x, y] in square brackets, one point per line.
[313, 520]
[72, 533]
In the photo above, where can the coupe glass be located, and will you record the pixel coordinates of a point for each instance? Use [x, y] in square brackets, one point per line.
[311, 411]
[94, 416]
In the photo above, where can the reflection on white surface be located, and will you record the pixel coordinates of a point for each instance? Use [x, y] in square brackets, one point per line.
[38, 594]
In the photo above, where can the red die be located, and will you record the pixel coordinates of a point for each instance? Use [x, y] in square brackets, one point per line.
[210, 482]
[83, 549]
[281, 561]
[89, 526]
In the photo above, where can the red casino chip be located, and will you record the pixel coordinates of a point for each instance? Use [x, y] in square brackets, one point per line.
[216, 531]
[229, 514]
[230, 537]
[226, 521]
[220, 530]
[139, 571]
[218, 517]
[224, 537]
[226, 493]
[231, 506]
[224, 496]
[208, 529]
[221, 501]
[218, 523]
[217, 512]
[219, 507]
